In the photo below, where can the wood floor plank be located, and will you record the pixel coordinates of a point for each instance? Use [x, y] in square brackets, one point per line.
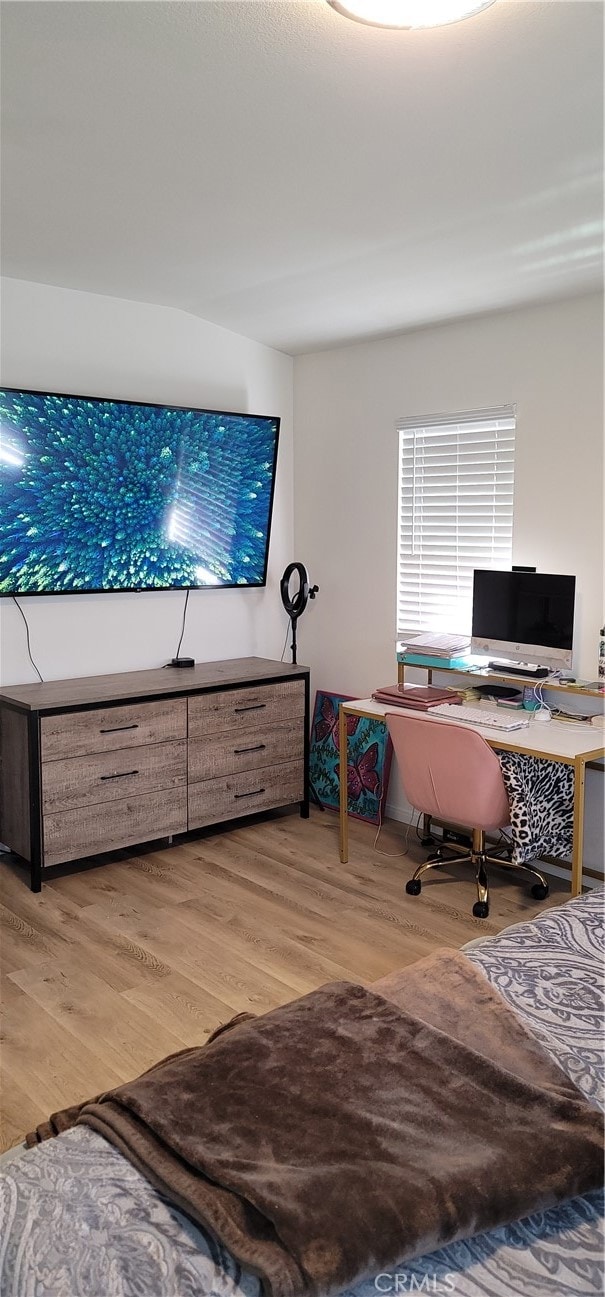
[376, 896]
[384, 871]
[18, 1110]
[357, 939]
[194, 952]
[219, 908]
[98, 1016]
[53, 926]
[145, 875]
[250, 939]
[22, 944]
[290, 919]
[108, 969]
[48, 1063]
[258, 916]
[184, 1008]
[380, 894]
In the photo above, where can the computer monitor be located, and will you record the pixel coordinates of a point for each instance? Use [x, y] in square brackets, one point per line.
[524, 616]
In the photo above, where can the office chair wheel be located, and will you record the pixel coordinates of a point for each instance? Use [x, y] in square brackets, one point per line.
[413, 887]
[481, 909]
[540, 891]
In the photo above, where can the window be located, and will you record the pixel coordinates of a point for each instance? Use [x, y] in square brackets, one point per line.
[456, 478]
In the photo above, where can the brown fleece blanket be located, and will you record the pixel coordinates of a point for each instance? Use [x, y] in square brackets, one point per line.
[357, 1128]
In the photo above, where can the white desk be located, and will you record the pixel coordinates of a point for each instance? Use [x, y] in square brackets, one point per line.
[571, 744]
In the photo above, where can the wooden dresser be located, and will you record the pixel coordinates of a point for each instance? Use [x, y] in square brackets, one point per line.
[91, 765]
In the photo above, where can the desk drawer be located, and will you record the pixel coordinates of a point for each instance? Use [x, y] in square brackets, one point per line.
[110, 776]
[212, 758]
[70, 835]
[244, 793]
[109, 728]
[241, 709]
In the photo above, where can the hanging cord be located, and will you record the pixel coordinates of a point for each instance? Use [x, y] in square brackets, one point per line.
[543, 707]
[183, 626]
[29, 652]
[285, 642]
[421, 836]
[394, 855]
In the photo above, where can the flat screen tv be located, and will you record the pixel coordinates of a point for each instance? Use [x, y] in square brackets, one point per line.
[102, 495]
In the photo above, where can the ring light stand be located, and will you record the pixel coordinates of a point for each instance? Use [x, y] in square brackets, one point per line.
[296, 603]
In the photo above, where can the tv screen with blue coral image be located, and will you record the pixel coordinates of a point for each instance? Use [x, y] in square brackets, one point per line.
[104, 495]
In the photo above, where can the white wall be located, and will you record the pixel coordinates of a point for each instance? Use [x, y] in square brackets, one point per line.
[549, 361]
[59, 340]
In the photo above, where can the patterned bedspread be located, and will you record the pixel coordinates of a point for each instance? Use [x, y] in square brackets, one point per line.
[77, 1220]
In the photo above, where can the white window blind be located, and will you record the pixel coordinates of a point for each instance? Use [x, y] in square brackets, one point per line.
[456, 479]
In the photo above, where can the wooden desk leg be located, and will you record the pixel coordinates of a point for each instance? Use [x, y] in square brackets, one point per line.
[344, 799]
[578, 827]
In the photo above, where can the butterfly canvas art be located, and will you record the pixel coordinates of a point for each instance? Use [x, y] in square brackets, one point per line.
[368, 758]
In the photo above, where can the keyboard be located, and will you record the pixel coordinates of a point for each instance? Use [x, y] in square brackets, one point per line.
[479, 716]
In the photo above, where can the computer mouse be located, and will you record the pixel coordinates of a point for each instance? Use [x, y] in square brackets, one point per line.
[542, 715]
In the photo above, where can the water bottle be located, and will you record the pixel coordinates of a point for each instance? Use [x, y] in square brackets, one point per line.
[602, 653]
[530, 702]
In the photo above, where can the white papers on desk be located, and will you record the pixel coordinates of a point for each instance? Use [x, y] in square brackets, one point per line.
[439, 644]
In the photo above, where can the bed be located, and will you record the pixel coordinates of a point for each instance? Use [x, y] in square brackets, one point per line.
[77, 1220]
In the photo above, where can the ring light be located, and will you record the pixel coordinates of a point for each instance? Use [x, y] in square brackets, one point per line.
[296, 603]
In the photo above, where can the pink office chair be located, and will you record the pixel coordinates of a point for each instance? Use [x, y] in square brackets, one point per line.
[449, 772]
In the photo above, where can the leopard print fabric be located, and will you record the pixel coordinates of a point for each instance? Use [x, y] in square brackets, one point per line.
[541, 806]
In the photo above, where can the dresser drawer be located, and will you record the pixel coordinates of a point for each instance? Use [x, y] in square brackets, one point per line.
[244, 793]
[109, 728]
[212, 757]
[69, 835]
[240, 709]
[109, 776]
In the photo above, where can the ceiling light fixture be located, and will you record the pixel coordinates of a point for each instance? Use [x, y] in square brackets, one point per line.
[406, 14]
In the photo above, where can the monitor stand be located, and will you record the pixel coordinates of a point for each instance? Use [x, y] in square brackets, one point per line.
[528, 669]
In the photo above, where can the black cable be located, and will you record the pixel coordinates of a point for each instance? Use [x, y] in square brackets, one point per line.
[29, 652]
[285, 642]
[183, 626]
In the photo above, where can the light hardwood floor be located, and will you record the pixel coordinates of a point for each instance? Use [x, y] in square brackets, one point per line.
[107, 970]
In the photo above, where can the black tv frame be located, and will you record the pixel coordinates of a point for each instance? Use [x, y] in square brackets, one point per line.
[156, 405]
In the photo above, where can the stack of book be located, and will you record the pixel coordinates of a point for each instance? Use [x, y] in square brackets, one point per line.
[435, 649]
[413, 696]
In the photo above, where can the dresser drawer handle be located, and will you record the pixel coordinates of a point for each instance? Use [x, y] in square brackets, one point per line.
[125, 774]
[258, 747]
[252, 707]
[256, 793]
[116, 729]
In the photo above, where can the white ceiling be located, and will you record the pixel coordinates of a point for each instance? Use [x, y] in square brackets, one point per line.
[297, 177]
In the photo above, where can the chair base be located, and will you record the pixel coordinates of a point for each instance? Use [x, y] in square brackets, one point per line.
[479, 858]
